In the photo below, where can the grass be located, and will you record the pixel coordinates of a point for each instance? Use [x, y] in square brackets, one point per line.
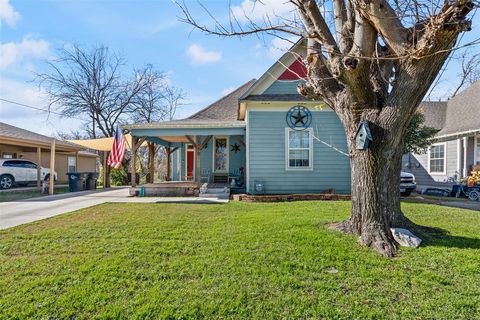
[241, 260]
[15, 195]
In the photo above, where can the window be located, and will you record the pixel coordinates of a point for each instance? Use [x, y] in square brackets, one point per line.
[9, 155]
[477, 150]
[220, 155]
[72, 164]
[29, 165]
[299, 149]
[16, 164]
[437, 158]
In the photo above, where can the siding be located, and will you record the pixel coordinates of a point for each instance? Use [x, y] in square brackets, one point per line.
[267, 155]
[283, 87]
[418, 164]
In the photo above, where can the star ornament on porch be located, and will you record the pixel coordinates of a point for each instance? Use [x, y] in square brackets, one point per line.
[299, 118]
[235, 148]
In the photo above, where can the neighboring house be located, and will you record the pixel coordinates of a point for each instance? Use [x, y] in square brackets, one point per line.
[457, 146]
[17, 143]
[246, 136]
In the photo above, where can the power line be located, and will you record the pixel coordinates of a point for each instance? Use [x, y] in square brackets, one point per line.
[36, 108]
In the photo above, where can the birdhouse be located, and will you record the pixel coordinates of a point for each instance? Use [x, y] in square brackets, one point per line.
[363, 136]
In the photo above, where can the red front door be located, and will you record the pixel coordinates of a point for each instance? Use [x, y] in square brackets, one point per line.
[190, 162]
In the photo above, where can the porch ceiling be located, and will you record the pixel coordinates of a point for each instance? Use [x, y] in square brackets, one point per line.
[174, 139]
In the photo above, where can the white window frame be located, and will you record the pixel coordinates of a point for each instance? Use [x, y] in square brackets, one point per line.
[444, 172]
[287, 153]
[228, 154]
[68, 163]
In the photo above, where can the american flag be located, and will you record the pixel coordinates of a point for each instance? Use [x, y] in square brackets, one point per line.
[118, 150]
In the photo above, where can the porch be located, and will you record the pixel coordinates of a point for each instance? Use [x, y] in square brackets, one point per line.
[202, 161]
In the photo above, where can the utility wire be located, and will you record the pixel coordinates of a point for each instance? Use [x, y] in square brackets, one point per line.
[36, 108]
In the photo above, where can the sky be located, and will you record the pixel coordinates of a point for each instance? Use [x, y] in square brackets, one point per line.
[205, 66]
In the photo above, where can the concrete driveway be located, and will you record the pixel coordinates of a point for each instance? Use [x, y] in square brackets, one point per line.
[15, 213]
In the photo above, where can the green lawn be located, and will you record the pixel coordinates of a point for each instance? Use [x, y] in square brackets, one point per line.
[15, 195]
[241, 260]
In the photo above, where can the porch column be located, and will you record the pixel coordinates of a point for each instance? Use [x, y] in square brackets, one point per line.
[198, 154]
[51, 189]
[198, 145]
[105, 170]
[39, 167]
[77, 156]
[169, 163]
[465, 146]
[136, 143]
[151, 161]
[133, 163]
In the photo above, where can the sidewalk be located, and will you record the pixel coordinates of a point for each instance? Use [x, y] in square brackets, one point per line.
[15, 213]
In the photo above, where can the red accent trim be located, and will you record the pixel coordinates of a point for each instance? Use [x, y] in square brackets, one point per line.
[297, 70]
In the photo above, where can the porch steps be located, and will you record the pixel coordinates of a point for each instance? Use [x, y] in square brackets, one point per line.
[216, 191]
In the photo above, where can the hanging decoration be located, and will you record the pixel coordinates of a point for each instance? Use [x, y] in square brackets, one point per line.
[235, 148]
[299, 118]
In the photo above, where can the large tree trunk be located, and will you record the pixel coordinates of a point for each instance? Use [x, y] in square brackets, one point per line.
[375, 196]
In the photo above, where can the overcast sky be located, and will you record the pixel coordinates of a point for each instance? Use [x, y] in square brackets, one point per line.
[207, 67]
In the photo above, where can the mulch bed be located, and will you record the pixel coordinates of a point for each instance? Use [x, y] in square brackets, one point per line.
[290, 197]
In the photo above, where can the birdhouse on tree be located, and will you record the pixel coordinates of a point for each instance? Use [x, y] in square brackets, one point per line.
[363, 136]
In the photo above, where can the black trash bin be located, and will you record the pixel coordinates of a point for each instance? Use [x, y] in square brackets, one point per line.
[129, 178]
[76, 181]
[91, 181]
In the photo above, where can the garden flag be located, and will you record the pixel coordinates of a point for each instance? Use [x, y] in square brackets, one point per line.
[118, 150]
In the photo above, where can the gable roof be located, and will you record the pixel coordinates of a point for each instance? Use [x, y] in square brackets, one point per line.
[11, 134]
[434, 112]
[280, 69]
[221, 113]
[463, 112]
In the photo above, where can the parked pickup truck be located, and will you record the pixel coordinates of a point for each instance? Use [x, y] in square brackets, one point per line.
[20, 172]
[407, 183]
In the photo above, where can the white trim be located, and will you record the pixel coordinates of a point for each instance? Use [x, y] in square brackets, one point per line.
[444, 172]
[476, 150]
[274, 107]
[227, 147]
[166, 125]
[310, 152]
[468, 132]
[465, 154]
[459, 156]
[247, 154]
[186, 161]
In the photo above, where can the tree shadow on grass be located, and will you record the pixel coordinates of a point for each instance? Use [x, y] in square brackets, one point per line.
[437, 237]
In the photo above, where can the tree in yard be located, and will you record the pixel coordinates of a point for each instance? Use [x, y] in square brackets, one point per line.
[90, 83]
[470, 71]
[371, 60]
[418, 136]
[158, 101]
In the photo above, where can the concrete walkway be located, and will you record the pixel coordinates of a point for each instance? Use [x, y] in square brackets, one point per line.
[15, 213]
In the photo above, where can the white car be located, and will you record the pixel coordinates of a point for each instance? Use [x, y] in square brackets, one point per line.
[407, 183]
[20, 171]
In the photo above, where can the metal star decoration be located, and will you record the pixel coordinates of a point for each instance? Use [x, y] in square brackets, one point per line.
[235, 148]
[299, 118]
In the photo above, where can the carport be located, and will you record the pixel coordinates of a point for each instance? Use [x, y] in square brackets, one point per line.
[17, 143]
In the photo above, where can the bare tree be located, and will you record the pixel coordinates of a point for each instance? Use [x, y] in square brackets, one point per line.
[90, 83]
[158, 101]
[470, 71]
[374, 62]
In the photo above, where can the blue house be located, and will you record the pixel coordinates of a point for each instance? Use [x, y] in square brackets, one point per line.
[261, 138]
